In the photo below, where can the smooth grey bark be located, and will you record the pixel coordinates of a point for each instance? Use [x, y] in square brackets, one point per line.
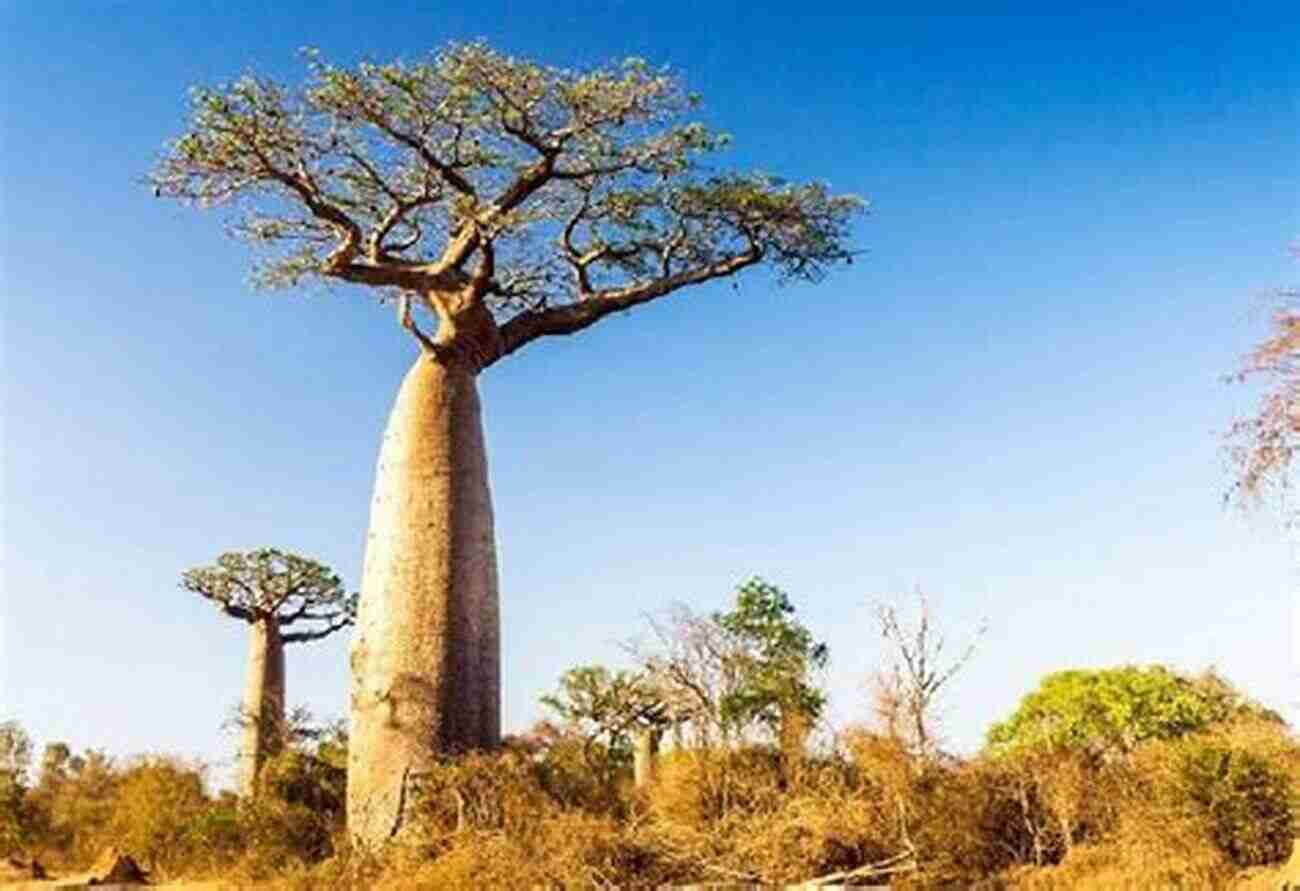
[426, 656]
[262, 712]
[645, 756]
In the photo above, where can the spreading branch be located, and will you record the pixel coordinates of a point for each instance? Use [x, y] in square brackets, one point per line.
[305, 599]
[474, 180]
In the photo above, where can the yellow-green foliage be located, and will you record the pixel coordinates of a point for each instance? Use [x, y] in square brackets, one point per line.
[1116, 708]
[15, 812]
[73, 807]
[157, 809]
[297, 815]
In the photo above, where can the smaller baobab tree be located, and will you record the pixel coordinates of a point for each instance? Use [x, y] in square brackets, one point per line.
[286, 599]
[618, 714]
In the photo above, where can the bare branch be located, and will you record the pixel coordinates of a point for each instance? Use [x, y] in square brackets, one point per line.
[574, 317]
[908, 689]
[1263, 446]
[540, 198]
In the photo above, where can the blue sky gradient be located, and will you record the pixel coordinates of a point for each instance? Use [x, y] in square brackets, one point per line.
[1013, 400]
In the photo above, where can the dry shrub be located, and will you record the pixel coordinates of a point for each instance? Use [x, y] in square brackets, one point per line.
[266, 837]
[1246, 801]
[965, 820]
[501, 820]
[1187, 814]
[1269, 739]
[1191, 864]
[743, 815]
[697, 787]
[1160, 839]
[1229, 796]
[734, 816]
[564, 772]
[73, 811]
[350, 869]
[1155, 843]
[816, 832]
[158, 808]
[558, 850]
[296, 818]
[498, 793]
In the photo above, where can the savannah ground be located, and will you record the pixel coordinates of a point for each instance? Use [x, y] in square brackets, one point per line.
[1128, 777]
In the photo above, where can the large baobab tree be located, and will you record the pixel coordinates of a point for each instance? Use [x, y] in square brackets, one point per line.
[513, 202]
[286, 599]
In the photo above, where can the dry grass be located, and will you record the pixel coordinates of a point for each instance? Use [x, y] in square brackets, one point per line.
[1177, 814]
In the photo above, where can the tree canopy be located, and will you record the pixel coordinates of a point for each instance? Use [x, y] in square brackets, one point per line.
[773, 658]
[606, 708]
[1114, 709]
[722, 673]
[549, 196]
[273, 585]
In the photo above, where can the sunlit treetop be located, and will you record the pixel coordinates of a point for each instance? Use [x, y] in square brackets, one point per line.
[773, 654]
[1111, 710]
[480, 182]
[305, 599]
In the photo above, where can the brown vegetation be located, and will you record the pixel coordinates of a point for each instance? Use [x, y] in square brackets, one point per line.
[1189, 812]
[1124, 777]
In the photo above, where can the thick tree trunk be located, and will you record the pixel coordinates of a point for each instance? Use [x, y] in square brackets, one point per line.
[262, 712]
[645, 755]
[426, 655]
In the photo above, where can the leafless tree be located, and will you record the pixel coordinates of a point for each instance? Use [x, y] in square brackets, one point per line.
[919, 666]
[689, 659]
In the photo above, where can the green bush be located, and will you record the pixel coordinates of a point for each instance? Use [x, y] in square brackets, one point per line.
[1115, 709]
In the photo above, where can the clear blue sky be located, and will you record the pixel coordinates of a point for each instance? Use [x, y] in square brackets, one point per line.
[1012, 401]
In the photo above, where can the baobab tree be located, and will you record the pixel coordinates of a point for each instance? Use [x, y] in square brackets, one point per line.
[286, 599]
[513, 202]
[619, 715]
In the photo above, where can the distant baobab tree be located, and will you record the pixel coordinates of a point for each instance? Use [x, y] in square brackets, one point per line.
[286, 599]
[512, 202]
